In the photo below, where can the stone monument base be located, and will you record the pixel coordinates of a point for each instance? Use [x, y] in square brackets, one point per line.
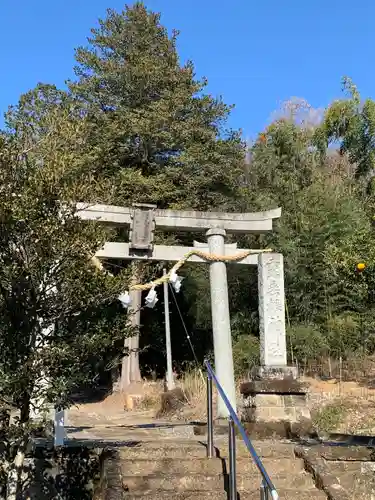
[275, 405]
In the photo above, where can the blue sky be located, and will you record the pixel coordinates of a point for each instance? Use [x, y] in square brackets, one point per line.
[255, 54]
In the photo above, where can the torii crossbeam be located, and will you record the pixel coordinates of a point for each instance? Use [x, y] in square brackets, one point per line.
[142, 220]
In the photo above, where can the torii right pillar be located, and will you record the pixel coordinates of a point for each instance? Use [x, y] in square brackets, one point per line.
[275, 400]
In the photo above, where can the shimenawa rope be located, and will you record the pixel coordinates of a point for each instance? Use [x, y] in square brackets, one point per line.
[209, 257]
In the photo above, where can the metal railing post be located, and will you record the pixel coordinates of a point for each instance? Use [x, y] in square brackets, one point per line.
[264, 492]
[232, 461]
[267, 488]
[210, 420]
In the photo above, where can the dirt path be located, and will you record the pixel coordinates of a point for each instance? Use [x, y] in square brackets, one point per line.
[90, 420]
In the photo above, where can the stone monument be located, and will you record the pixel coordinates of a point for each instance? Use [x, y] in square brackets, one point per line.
[275, 401]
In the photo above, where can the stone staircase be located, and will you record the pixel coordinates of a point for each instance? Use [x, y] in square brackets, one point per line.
[344, 472]
[177, 469]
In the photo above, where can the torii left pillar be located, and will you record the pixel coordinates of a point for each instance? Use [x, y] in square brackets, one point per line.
[130, 371]
[221, 321]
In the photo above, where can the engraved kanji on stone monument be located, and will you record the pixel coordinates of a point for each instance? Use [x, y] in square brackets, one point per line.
[271, 310]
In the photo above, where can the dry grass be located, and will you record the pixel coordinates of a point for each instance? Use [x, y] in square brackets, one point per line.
[150, 398]
[354, 369]
[328, 418]
[360, 417]
[345, 407]
[350, 398]
[358, 491]
[193, 385]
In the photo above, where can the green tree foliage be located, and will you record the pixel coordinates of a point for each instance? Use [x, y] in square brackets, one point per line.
[306, 342]
[60, 321]
[151, 133]
[351, 123]
[246, 351]
[58, 314]
[325, 229]
[155, 135]
[283, 162]
[153, 130]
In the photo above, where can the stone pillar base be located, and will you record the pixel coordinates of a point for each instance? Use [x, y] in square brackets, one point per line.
[276, 405]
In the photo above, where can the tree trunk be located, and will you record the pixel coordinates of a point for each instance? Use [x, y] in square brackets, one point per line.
[130, 371]
[39, 406]
[25, 409]
[15, 472]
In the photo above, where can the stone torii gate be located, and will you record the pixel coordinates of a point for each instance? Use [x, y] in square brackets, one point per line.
[142, 220]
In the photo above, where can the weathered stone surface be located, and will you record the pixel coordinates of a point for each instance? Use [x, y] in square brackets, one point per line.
[257, 222]
[271, 310]
[221, 328]
[343, 473]
[142, 227]
[181, 449]
[193, 476]
[269, 400]
[120, 250]
[348, 454]
[352, 467]
[267, 386]
[203, 482]
[278, 406]
[280, 429]
[142, 467]
[295, 400]
[323, 477]
[216, 495]
[276, 373]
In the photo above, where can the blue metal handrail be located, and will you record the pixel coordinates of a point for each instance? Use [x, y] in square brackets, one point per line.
[267, 483]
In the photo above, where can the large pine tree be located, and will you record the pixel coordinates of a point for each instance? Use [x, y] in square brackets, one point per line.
[154, 131]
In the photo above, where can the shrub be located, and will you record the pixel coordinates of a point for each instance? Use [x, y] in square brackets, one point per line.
[245, 354]
[344, 334]
[307, 341]
[328, 418]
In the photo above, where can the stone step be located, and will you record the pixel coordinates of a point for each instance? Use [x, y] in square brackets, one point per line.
[358, 483]
[155, 449]
[288, 494]
[265, 449]
[187, 466]
[212, 482]
[346, 454]
[339, 468]
[125, 434]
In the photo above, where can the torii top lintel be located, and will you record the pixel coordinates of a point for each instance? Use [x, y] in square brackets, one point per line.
[181, 220]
